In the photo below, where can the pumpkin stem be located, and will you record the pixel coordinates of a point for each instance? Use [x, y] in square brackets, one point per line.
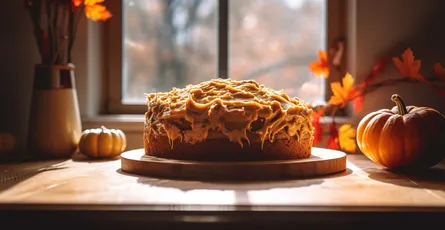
[400, 104]
[103, 127]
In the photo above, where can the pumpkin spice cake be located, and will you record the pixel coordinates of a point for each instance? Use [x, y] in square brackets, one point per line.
[227, 120]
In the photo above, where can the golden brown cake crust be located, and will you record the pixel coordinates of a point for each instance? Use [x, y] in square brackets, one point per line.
[225, 150]
[225, 119]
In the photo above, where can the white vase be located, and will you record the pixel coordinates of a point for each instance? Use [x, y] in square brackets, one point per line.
[54, 127]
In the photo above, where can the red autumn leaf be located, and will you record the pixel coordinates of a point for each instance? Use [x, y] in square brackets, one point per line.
[333, 137]
[408, 66]
[376, 69]
[439, 71]
[380, 66]
[358, 103]
[317, 113]
[318, 130]
[333, 143]
[321, 67]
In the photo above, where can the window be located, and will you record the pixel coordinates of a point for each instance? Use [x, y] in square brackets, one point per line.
[155, 45]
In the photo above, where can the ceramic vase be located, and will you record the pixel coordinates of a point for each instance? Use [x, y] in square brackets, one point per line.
[54, 127]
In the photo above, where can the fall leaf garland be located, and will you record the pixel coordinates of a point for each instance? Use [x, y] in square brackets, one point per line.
[345, 91]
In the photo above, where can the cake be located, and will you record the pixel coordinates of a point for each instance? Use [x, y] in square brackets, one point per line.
[227, 120]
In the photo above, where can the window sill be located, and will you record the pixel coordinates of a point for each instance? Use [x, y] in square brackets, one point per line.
[125, 122]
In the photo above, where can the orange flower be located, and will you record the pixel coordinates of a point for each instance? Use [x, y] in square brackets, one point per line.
[320, 68]
[96, 12]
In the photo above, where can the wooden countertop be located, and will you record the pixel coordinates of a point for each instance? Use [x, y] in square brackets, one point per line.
[81, 184]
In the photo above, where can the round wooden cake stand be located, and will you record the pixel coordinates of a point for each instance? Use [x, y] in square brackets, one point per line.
[322, 162]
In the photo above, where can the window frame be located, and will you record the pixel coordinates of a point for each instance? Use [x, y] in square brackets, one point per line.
[336, 24]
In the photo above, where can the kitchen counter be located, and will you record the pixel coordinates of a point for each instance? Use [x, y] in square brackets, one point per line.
[82, 191]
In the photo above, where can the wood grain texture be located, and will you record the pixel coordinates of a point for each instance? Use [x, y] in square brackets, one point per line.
[82, 183]
[321, 162]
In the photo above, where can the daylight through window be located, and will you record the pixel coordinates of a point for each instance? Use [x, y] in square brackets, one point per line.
[172, 43]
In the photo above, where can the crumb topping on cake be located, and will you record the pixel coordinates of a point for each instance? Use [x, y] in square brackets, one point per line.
[229, 107]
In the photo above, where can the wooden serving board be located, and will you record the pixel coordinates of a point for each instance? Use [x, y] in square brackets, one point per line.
[322, 162]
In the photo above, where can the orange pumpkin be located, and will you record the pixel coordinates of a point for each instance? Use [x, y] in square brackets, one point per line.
[7, 143]
[403, 137]
[102, 142]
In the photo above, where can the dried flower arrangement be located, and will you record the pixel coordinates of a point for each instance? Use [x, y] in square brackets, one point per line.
[346, 91]
[55, 25]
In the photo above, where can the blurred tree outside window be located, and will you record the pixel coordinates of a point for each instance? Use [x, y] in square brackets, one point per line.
[173, 43]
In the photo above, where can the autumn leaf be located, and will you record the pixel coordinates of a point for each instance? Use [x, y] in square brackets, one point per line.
[378, 68]
[321, 67]
[77, 2]
[97, 12]
[358, 103]
[333, 137]
[333, 143]
[318, 130]
[343, 94]
[317, 113]
[408, 66]
[92, 2]
[346, 138]
[439, 71]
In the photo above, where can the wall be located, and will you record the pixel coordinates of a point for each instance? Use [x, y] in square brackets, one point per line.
[386, 28]
[17, 65]
[383, 27]
[19, 55]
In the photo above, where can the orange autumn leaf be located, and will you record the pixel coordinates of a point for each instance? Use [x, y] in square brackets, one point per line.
[408, 66]
[92, 2]
[343, 92]
[439, 71]
[77, 2]
[321, 67]
[346, 138]
[97, 12]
